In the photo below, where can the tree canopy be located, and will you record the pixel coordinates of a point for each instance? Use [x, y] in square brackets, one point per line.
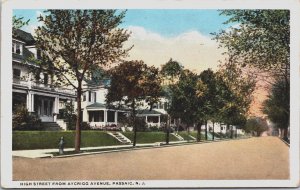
[261, 39]
[131, 83]
[75, 42]
[277, 106]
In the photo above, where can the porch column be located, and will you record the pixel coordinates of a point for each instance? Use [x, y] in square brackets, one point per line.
[105, 116]
[159, 121]
[30, 102]
[56, 108]
[146, 119]
[116, 117]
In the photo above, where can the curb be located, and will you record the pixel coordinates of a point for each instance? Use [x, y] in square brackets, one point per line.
[288, 144]
[155, 145]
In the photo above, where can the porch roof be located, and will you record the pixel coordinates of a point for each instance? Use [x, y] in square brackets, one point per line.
[148, 112]
[96, 105]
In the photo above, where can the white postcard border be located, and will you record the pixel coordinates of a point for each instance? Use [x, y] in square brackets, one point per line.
[6, 81]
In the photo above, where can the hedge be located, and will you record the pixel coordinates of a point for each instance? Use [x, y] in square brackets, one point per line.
[26, 140]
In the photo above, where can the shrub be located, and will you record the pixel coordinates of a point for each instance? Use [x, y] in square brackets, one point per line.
[153, 128]
[23, 120]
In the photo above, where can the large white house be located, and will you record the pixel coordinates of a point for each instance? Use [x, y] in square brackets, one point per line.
[34, 90]
[97, 113]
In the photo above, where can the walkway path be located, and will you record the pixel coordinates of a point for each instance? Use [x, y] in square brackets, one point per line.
[254, 158]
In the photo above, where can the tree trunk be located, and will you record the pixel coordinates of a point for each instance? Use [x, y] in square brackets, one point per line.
[168, 130]
[134, 122]
[206, 130]
[231, 132]
[236, 133]
[198, 132]
[78, 120]
[285, 134]
[188, 131]
[213, 132]
[227, 129]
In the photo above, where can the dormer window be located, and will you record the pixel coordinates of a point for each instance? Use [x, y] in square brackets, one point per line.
[17, 48]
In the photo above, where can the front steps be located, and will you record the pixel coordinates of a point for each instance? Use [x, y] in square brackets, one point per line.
[178, 136]
[50, 126]
[192, 137]
[120, 137]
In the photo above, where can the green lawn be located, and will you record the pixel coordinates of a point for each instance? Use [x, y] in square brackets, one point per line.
[149, 137]
[24, 140]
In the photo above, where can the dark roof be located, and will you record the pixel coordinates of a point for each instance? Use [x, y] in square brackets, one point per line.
[24, 37]
[96, 105]
[148, 112]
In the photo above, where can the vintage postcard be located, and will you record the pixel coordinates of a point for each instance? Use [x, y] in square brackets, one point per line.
[150, 94]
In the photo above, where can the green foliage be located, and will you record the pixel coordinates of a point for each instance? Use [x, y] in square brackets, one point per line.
[24, 140]
[234, 93]
[261, 43]
[74, 43]
[171, 70]
[257, 125]
[184, 99]
[132, 82]
[23, 120]
[277, 106]
[140, 123]
[68, 115]
[262, 39]
[18, 22]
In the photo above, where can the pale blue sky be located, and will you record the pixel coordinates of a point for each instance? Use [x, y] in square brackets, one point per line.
[161, 34]
[166, 22]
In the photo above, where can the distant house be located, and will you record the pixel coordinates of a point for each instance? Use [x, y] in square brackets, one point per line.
[95, 111]
[98, 114]
[35, 91]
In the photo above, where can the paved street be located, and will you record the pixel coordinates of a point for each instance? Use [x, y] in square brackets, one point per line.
[254, 158]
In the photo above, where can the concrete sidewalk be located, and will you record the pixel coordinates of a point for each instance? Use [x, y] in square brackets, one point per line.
[45, 153]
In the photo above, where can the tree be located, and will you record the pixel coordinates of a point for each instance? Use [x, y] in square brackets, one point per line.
[210, 105]
[75, 42]
[184, 100]
[170, 72]
[262, 40]
[234, 94]
[131, 83]
[261, 43]
[256, 125]
[277, 107]
[17, 23]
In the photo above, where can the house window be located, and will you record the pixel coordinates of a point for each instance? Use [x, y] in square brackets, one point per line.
[152, 119]
[96, 116]
[110, 116]
[16, 48]
[84, 97]
[221, 128]
[154, 106]
[17, 73]
[160, 105]
[46, 78]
